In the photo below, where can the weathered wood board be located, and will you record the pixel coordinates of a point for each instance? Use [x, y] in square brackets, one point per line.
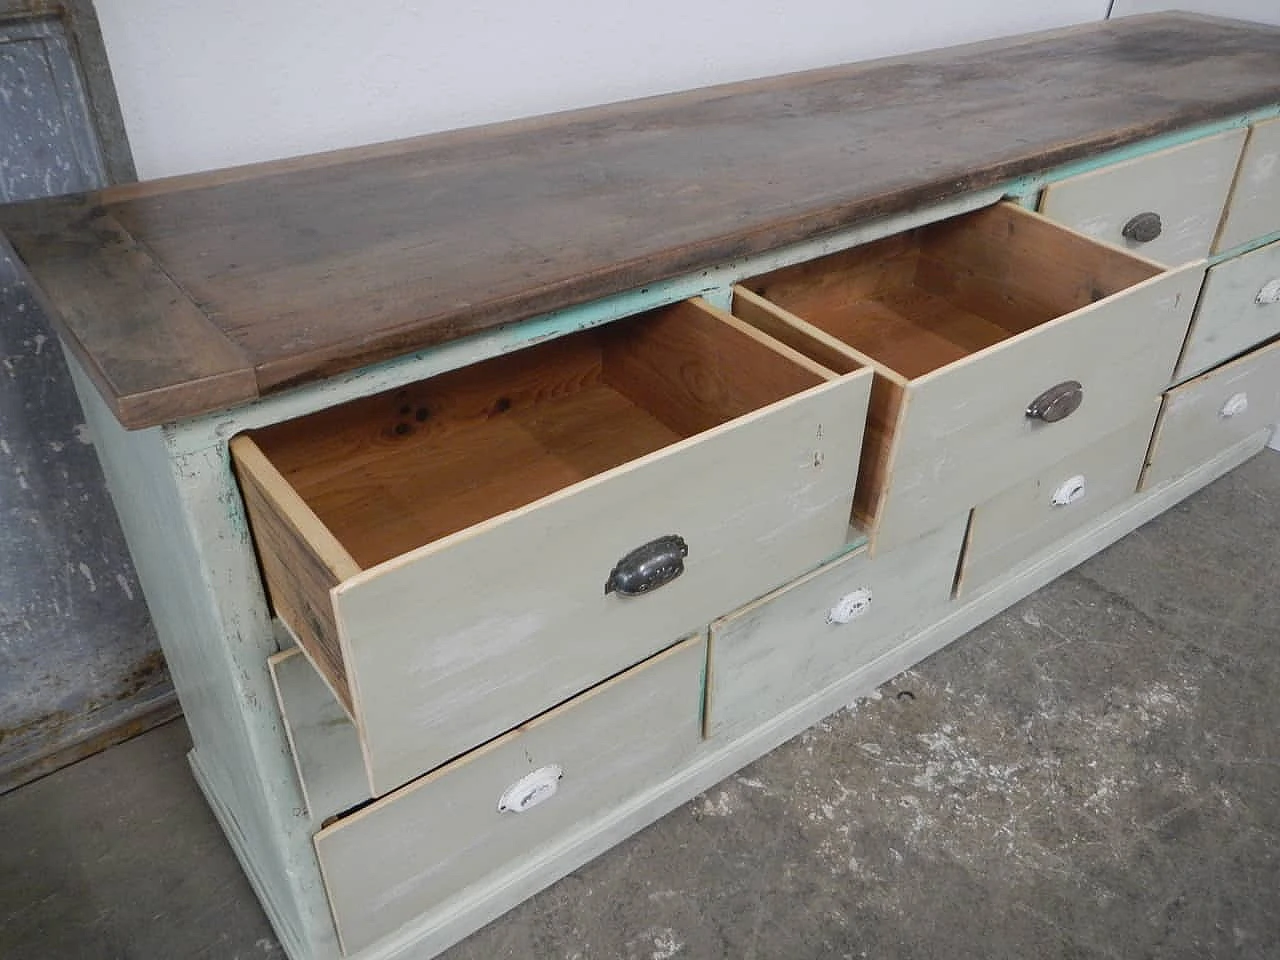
[293, 272]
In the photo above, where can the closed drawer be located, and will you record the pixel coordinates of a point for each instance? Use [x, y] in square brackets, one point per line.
[1239, 308]
[499, 806]
[1022, 521]
[1206, 416]
[973, 326]
[1166, 205]
[793, 643]
[460, 555]
[1254, 208]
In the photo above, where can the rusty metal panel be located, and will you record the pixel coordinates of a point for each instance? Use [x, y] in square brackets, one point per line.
[80, 666]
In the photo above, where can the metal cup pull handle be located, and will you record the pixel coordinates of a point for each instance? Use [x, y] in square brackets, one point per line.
[1057, 403]
[1143, 228]
[648, 567]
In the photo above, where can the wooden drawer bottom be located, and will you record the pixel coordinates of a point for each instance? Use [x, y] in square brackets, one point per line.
[505, 801]
[1030, 516]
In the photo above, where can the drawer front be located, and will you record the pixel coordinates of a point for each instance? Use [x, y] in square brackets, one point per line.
[1212, 413]
[322, 739]
[410, 852]
[1239, 308]
[454, 644]
[1254, 208]
[1030, 516]
[784, 647]
[1166, 205]
[965, 431]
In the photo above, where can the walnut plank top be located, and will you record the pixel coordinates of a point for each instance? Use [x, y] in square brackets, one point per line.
[201, 292]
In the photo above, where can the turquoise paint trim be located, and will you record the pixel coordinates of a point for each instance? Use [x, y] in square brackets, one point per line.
[1244, 248]
[857, 540]
[1023, 186]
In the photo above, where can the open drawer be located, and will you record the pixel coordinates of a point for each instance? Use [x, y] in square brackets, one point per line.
[1001, 342]
[462, 554]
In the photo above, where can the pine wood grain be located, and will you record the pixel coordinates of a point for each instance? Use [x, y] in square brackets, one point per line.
[314, 267]
[392, 472]
[301, 561]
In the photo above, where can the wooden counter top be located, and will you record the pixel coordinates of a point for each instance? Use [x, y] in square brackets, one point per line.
[198, 293]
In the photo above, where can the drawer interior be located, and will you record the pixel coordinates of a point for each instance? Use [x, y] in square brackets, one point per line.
[912, 305]
[394, 471]
[919, 301]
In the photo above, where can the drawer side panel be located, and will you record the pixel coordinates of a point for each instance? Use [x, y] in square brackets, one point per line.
[301, 563]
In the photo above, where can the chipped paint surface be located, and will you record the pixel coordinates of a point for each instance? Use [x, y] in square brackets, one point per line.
[77, 652]
[78, 655]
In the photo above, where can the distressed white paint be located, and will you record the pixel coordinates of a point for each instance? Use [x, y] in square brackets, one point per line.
[779, 650]
[1206, 415]
[1186, 186]
[1037, 513]
[1236, 312]
[213, 84]
[467, 637]
[1254, 210]
[448, 831]
[965, 434]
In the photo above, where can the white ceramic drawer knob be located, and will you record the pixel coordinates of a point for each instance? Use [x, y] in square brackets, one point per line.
[1069, 491]
[531, 789]
[1270, 293]
[850, 606]
[1237, 403]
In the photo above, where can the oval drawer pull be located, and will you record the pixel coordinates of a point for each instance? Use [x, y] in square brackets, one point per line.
[1057, 403]
[1270, 293]
[1069, 491]
[531, 790]
[648, 567]
[1143, 228]
[1236, 404]
[850, 606]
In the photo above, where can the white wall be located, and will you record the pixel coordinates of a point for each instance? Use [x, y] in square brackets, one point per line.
[221, 82]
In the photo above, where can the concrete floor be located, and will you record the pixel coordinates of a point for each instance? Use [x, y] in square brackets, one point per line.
[1095, 773]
